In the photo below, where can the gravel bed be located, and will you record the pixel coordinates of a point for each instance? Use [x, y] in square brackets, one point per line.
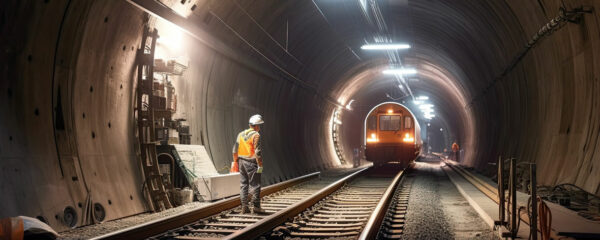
[95, 230]
[437, 210]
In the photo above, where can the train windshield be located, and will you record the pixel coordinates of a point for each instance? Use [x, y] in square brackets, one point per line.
[407, 122]
[389, 122]
[372, 123]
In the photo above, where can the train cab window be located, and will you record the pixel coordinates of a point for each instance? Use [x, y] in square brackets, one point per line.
[389, 122]
[372, 123]
[407, 122]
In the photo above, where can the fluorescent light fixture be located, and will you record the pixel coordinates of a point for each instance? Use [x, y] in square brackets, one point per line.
[400, 71]
[429, 116]
[418, 102]
[422, 98]
[171, 37]
[384, 46]
[348, 105]
[427, 111]
[400, 86]
[425, 106]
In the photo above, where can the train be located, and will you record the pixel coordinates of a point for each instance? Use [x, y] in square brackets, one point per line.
[392, 135]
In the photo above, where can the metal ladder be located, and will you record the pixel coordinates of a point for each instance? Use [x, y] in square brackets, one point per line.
[157, 188]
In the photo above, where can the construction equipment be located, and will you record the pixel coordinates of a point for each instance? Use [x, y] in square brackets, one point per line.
[157, 188]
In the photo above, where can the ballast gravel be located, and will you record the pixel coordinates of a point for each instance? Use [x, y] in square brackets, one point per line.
[99, 229]
[437, 210]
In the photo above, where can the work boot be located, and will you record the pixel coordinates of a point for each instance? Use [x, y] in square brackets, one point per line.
[258, 210]
[245, 209]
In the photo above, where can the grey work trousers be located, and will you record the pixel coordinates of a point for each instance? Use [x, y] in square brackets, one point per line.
[249, 178]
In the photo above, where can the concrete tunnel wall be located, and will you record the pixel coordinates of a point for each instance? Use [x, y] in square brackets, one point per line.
[545, 110]
[74, 58]
[548, 104]
[77, 57]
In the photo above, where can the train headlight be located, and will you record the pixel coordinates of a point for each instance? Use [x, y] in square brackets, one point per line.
[408, 138]
[373, 138]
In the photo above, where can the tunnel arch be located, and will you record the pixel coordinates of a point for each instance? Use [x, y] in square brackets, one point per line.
[543, 109]
[441, 84]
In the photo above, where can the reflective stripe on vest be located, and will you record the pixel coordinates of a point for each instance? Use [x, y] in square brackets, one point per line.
[246, 144]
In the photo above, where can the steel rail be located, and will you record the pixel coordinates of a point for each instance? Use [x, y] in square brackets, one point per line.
[376, 219]
[487, 189]
[266, 224]
[492, 193]
[161, 225]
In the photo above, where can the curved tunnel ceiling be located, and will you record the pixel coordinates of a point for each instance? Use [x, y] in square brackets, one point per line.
[296, 62]
[450, 58]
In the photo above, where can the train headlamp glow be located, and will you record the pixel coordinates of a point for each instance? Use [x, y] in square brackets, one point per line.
[408, 138]
[373, 138]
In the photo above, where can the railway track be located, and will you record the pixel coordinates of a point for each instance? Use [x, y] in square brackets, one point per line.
[352, 210]
[313, 208]
[162, 225]
[393, 223]
[222, 218]
[231, 221]
[342, 214]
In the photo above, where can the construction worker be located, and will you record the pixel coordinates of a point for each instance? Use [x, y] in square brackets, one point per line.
[356, 158]
[455, 150]
[247, 154]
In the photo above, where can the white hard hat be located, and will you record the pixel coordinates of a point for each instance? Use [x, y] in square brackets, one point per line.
[256, 120]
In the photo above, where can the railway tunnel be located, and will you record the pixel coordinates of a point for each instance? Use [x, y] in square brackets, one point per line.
[517, 79]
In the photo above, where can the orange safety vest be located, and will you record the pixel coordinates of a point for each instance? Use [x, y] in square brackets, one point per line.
[246, 144]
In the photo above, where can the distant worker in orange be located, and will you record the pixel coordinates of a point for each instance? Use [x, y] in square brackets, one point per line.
[247, 156]
[455, 151]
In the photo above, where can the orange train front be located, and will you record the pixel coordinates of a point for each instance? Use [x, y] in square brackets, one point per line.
[392, 134]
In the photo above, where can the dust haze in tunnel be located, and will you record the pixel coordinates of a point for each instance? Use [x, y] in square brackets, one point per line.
[68, 81]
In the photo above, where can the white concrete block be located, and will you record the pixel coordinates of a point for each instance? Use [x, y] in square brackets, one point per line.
[218, 186]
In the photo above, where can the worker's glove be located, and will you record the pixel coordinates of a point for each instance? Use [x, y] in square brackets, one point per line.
[234, 167]
[259, 170]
